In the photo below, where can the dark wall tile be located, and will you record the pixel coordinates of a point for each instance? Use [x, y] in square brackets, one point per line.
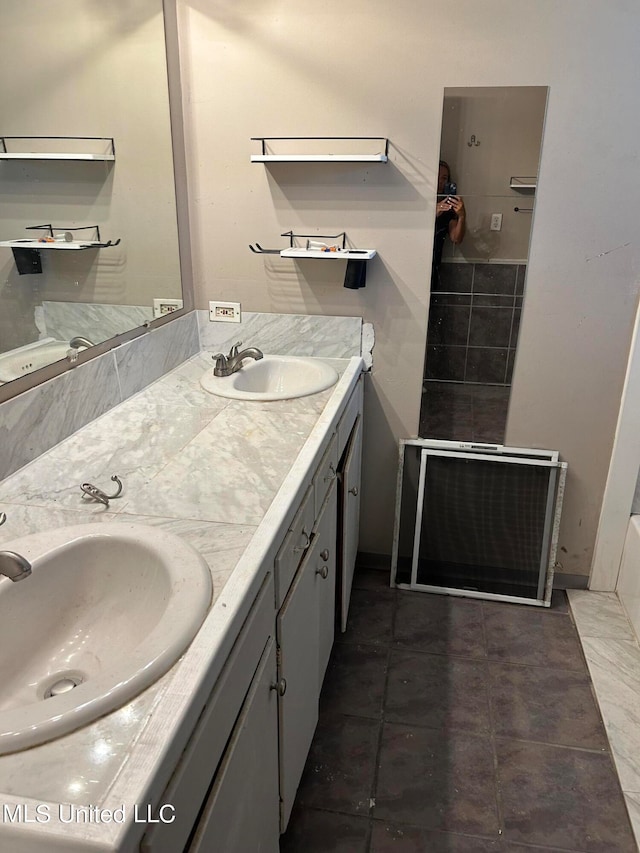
[455, 277]
[490, 327]
[515, 328]
[448, 325]
[494, 278]
[444, 362]
[486, 365]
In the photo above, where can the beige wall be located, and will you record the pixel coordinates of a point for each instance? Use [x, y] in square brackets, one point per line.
[88, 69]
[371, 67]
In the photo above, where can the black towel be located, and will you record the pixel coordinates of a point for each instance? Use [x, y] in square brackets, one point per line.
[356, 274]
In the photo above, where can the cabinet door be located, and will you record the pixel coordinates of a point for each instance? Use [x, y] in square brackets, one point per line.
[350, 510]
[241, 813]
[297, 633]
[325, 547]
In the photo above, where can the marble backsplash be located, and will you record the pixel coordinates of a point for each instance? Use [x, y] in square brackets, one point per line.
[41, 417]
[65, 320]
[285, 334]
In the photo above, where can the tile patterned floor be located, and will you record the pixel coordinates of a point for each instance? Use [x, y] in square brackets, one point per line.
[451, 725]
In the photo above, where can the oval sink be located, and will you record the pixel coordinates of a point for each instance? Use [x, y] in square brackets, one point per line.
[274, 377]
[107, 610]
[17, 363]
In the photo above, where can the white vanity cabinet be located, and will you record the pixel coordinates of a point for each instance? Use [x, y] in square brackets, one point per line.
[305, 630]
[225, 787]
[236, 783]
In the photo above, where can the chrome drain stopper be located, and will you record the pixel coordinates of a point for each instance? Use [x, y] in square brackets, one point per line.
[63, 685]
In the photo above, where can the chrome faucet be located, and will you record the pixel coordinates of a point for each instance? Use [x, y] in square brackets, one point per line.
[14, 566]
[79, 341]
[228, 364]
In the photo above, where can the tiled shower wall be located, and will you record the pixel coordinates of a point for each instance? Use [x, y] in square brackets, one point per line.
[474, 318]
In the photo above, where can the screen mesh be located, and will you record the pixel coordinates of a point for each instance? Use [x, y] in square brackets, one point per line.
[483, 525]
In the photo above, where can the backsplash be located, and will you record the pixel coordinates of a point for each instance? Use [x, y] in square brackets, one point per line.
[65, 320]
[285, 334]
[40, 418]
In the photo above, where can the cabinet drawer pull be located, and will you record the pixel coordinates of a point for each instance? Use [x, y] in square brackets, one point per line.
[298, 549]
[323, 572]
[354, 491]
[332, 473]
[324, 555]
[280, 686]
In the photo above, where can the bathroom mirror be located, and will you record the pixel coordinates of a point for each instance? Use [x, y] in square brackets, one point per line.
[490, 146]
[87, 157]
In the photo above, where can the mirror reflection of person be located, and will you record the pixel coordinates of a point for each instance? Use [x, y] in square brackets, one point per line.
[450, 218]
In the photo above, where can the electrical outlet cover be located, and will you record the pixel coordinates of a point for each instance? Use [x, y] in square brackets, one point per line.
[166, 306]
[224, 312]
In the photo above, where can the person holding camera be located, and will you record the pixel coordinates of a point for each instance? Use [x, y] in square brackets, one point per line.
[450, 217]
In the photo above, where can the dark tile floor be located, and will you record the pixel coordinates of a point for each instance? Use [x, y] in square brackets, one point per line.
[452, 725]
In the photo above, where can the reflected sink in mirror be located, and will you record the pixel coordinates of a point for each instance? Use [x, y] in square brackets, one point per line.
[273, 377]
[18, 362]
[107, 610]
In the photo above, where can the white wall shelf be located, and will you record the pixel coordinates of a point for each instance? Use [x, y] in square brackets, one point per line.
[26, 252]
[528, 183]
[48, 144]
[269, 156]
[342, 255]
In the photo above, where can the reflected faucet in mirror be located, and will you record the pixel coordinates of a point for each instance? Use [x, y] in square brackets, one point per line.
[79, 341]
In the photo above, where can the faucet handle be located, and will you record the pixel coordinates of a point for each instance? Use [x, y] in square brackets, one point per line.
[233, 352]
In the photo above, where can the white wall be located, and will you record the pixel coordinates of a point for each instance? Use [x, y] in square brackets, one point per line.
[275, 67]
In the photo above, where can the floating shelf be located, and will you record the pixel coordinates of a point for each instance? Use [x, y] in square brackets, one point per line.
[26, 252]
[347, 254]
[529, 183]
[267, 157]
[36, 244]
[108, 155]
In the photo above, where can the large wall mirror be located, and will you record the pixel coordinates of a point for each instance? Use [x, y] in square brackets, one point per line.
[85, 161]
[489, 156]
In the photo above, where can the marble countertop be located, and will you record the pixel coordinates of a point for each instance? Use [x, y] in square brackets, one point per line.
[223, 475]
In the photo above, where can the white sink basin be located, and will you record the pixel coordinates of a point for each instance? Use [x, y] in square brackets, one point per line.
[274, 377]
[109, 607]
[18, 362]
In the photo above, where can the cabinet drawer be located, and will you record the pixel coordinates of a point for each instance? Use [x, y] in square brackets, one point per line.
[294, 546]
[325, 475]
[348, 419]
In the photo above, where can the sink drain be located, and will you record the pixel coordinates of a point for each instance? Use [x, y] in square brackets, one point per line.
[62, 685]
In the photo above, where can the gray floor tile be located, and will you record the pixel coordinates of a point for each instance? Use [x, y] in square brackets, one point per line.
[370, 617]
[355, 680]
[558, 797]
[531, 636]
[549, 705]
[439, 624]
[437, 691]
[313, 831]
[339, 772]
[376, 579]
[436, 781]
[399, 838]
